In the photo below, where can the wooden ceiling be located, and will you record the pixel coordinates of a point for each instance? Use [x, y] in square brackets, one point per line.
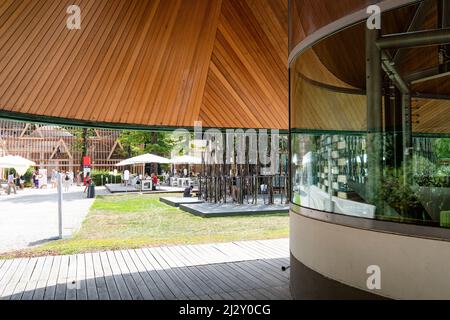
[308, 16]
[333, 70]
[147, 62]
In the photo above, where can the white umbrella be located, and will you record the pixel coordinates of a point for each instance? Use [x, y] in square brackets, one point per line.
[143, 159]
[20, 164]
[186, 160]
[15, 161]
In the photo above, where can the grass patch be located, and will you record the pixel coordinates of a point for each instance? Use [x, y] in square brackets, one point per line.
[134, 221]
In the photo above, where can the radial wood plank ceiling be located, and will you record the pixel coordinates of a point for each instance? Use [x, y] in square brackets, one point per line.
[147, 62]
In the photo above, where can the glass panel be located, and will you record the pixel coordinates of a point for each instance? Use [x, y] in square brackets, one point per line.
[331, 173]
[388, 162]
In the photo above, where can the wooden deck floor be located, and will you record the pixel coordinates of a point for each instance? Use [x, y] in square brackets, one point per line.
[228, 271]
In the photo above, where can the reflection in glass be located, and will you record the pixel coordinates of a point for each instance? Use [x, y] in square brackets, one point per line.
[380, 153]
[330, 173]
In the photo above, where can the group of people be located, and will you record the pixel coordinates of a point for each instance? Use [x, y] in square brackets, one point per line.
[39, 180]
[67, 179]
[184, 173]
[153, 177]
[126, 179]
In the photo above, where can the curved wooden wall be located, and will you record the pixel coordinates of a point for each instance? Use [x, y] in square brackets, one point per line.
[336, 64]
[147, 62]
[309, 16]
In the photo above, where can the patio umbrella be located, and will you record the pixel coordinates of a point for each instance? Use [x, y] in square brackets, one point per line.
[143, 159]
[186, 160]
[19, 164]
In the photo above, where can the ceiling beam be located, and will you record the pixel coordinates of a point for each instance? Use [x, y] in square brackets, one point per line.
[389, 67]
[414, 39]
[415, 25]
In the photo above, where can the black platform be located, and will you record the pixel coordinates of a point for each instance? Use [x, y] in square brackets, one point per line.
[118, 188]
[212, 210]
[177, 201]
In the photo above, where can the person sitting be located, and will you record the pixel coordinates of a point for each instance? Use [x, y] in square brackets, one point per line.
[188, 192]
[138, 182]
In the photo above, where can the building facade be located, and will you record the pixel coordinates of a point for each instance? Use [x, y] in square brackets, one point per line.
[61, 147]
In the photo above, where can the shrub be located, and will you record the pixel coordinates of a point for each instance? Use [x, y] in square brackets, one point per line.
[28, 176]
[101, 178]
[433, 181]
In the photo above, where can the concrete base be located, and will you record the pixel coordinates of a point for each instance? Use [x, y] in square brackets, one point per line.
[177, 201]
[209, 210]
[118, 188]
[306, 284]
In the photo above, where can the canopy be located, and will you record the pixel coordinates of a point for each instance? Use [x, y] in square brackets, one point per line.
[20, 164]
[143, 159]
[186, 160]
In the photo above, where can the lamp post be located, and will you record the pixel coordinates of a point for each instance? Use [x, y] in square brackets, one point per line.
[60, 199]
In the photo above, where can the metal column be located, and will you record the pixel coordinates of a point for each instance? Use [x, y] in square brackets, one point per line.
[374, 118]
[407, 138]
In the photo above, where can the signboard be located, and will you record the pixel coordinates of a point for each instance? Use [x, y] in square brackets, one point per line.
[86, 161]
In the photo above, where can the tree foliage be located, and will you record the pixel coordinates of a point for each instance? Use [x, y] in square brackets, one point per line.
[442, 148]
[140, 142]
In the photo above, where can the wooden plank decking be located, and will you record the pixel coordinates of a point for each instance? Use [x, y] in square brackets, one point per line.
[246, 270]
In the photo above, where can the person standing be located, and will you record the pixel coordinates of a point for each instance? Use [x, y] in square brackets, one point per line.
[22, 182]
[79, 178]
[154, 181]
[33, 178]
[126, 177]
[11, 184]
[87, 182]
[53, 178]
[66, 182]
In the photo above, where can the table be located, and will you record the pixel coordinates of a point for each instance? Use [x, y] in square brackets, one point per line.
[184, 182]
[180, 182]
[147, 185]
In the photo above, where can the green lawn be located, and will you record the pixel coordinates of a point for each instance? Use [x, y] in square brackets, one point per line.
[133, 221]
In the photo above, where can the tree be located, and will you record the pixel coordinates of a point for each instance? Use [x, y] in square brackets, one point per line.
[442, 148]
[82, 141]
[140, 142]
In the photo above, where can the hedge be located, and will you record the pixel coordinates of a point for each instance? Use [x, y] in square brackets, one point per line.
[100, 178]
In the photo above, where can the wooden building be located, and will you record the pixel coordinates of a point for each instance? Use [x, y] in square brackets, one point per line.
[60, 147]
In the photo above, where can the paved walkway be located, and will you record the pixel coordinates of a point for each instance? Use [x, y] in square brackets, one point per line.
[31, 217]
[232, 271]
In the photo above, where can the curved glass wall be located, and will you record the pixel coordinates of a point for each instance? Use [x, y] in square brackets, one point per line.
[371, 127]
